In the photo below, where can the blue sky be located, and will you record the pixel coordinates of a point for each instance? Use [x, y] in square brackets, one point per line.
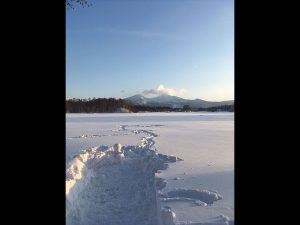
[120, 48]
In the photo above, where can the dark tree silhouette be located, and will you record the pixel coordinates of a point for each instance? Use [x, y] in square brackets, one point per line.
[225, 108]
[186, 108]
[97, 105]
[70, 3]
[108, 105]
[143, 108]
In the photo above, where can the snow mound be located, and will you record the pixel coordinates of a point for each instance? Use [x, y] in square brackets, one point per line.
[176, 199]
[208, 197]
[219, 220]
[115, 186]
[167, 216]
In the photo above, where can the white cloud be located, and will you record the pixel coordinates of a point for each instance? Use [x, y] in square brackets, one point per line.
[182, 91]
[161, 90]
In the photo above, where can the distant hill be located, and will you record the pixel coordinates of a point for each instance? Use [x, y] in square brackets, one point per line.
[174, 102]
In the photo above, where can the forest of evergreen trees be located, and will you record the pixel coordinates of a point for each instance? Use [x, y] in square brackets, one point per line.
[144, 108]
[109, 105]
[99, 105]
[226, 108]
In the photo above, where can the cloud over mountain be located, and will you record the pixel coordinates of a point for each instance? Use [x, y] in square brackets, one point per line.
[162, 90]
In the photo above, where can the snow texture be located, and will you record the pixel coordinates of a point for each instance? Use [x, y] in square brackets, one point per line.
[112, 187]
[113, 184]
[116, 185]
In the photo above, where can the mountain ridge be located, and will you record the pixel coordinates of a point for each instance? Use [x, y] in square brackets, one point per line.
[174, 101]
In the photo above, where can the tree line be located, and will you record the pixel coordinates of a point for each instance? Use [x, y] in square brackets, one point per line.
[109, 105]
[226, 108]
[99, 105]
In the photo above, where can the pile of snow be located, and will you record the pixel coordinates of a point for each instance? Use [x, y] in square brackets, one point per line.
[205, 196]
[219, 220]
[167, 216]
[114, 186]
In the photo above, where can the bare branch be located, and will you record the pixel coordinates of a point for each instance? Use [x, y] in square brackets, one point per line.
[70, 3]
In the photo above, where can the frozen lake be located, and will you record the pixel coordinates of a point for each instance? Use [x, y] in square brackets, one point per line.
[205, 142]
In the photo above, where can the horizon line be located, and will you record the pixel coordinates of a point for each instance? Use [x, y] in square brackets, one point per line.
[149, 98]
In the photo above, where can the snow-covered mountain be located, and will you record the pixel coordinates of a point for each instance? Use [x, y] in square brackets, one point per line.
[174, 101]
[137, 100]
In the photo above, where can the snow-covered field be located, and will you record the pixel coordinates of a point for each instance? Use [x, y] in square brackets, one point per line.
[130, 184]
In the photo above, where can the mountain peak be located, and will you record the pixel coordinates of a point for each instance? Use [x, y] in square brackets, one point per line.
[137, 99]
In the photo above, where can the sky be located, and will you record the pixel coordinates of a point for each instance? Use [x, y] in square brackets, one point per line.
[119, 48]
